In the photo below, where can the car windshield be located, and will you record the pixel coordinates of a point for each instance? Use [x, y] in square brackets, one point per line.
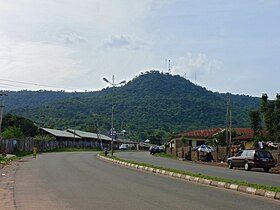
[263, 154]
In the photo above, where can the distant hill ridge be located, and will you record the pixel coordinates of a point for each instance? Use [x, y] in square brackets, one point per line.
[152, 103]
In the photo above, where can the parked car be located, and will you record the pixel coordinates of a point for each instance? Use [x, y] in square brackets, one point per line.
[252, 159]
[162, 148]
[123, 147]
[154, 149]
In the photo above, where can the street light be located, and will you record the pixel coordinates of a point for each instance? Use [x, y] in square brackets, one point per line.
[112, 122]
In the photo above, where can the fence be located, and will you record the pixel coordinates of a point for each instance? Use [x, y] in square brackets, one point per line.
[10, 146]
[187, 153]
[220, 153]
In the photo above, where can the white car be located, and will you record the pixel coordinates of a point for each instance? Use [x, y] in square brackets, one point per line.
[123, 147]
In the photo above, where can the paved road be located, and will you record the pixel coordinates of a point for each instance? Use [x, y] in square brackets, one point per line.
[257, 176]
[81, 181]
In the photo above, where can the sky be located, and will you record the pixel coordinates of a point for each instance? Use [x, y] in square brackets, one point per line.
[224, 46]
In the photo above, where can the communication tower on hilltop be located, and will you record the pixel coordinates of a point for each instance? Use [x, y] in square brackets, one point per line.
[169, 66]
[169, 69]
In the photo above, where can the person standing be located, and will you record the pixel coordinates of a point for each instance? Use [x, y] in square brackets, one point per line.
[34, 151]
[261, 146]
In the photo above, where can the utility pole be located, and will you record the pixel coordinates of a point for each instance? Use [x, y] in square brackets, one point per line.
[112, 119]
[1, 117]
[99, 137]
[230, 127]
[227, 119]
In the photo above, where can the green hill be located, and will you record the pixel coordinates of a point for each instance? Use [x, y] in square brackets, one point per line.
[152, 103]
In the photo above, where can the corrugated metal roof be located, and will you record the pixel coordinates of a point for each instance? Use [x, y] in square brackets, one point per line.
[85, 134]
[104, 137]
[59, 133]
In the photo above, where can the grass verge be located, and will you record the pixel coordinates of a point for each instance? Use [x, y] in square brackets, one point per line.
[164, 155]
[5, 161]
[257, 186]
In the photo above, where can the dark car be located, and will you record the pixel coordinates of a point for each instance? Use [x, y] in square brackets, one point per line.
[154, 149]
[252, 159]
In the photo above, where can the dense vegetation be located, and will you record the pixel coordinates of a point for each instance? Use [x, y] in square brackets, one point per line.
[152, 105]
[265, 121]
[18, 127]
[31, 99]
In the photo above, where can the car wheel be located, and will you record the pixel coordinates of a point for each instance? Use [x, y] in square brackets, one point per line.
[247, 167]
[230, 166]
[266, 169]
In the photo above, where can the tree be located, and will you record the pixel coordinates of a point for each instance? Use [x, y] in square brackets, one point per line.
[277, 119]
[26, 126]
[155, 137]
[13, 132]
[255, 117]
[256, 121]
[264, 103]
[217, 140]
[270, 111]
[269, 119]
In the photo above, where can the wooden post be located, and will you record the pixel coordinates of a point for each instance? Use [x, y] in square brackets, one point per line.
[278, 161]
[217, 154]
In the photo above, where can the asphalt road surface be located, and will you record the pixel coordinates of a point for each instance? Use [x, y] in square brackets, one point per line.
[256, 176]
[81, 181]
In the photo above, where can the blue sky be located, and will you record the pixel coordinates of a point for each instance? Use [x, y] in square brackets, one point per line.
[231, 46]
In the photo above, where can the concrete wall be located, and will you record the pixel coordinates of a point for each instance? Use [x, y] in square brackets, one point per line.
[249, 145]
[276, 155]
[178, 143]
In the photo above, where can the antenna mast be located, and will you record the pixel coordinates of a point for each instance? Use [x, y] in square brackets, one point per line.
[169, 69]
[165, 65]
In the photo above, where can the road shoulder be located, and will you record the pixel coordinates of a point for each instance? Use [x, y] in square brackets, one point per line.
[7, 181]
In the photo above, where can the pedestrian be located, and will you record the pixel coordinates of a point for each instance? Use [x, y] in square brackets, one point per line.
[209, 157]
[34, 151]
[106, 151]
[261, 147]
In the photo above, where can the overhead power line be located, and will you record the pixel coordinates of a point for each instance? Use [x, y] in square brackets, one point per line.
[9, 85]
[28, 83]
[19, 84]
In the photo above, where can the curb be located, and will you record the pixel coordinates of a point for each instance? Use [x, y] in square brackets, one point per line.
[235, 187]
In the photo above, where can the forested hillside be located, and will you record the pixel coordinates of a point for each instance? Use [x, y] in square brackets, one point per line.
[152, 104]
[31, 99]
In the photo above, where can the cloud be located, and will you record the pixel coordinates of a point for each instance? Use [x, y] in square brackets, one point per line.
[116, 42]
[191, 64]
[73, 38]
[121, 41]
[74, 44]
[35, 62]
